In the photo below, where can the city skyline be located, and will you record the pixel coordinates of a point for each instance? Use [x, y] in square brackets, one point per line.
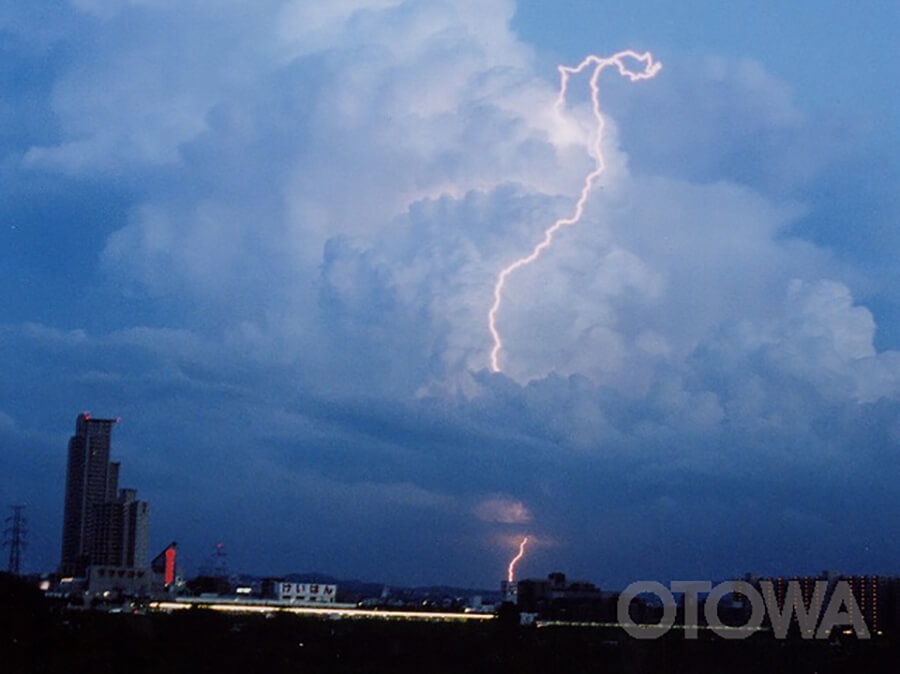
[103, 524]
[267, 236]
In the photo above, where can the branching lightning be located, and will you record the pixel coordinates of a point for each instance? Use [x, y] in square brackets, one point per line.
[650, 68]
[511, 571]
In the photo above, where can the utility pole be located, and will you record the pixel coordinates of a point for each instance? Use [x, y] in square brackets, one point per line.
[220, 561]
[15, 535]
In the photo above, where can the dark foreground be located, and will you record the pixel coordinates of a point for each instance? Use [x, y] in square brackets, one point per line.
[35, 636]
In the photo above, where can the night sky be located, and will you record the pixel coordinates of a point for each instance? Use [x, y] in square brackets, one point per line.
[265, 233]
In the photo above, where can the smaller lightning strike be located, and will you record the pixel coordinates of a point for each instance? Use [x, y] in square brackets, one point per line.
[650, 68]
[511, 571]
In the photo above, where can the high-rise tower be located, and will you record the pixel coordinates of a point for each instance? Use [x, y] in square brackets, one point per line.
[101, 524]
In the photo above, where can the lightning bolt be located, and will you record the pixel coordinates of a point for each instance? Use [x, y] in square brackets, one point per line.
[650, 68]
[511, 571]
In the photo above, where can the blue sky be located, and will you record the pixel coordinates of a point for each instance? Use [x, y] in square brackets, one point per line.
[266, 235]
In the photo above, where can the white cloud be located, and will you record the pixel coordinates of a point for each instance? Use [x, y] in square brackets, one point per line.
[325, 194]
[348, 179]
[502, 510]
[824, 311]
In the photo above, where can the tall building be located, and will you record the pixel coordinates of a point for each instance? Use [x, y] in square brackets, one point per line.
[102, 525]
